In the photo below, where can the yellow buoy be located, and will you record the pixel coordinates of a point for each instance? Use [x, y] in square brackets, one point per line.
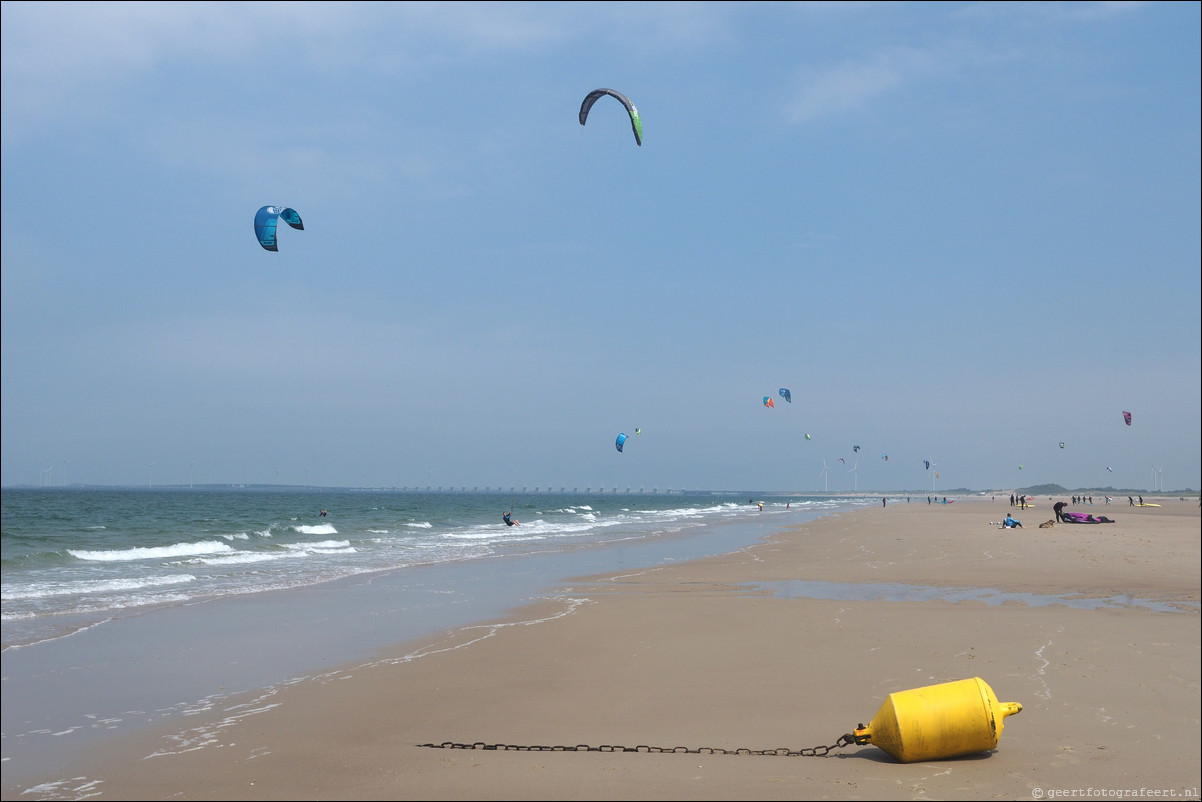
[938, 721]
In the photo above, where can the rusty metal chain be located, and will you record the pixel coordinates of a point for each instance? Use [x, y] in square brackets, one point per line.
[817, 751]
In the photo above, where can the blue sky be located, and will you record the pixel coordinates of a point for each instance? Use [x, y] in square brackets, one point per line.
[962, 232]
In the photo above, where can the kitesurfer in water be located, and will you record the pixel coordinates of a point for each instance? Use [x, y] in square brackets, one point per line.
[509, 519]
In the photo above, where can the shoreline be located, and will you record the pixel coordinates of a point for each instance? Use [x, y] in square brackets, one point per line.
[714, 653]
[165, 664]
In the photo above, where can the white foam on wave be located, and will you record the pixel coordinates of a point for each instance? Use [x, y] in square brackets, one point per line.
[240, 558]
[152, 553]
[490, 532]
[323, 547]
[41, 590]
[318, 529]
[585, 513]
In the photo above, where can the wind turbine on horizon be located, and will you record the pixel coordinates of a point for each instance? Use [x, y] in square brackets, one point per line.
[822, 473]
[855, 477]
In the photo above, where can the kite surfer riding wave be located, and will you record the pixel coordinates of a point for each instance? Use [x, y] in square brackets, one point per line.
[509, 519]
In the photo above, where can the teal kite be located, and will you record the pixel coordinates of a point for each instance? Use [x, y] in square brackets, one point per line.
[265, 224]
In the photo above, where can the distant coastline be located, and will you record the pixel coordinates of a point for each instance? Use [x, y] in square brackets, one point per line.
[957, 492]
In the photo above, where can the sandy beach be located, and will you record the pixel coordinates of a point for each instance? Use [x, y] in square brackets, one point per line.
[788, 645]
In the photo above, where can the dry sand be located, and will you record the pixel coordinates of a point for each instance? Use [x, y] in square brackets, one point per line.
[1093, 629]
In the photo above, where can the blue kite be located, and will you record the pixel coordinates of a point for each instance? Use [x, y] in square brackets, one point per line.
[266, 221]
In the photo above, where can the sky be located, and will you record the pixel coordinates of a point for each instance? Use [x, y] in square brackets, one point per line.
[962, 233]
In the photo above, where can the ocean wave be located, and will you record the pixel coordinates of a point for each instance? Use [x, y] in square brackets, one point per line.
[319, 529]
[155, 553]
[324, 545]
[239, 558]
[41, 590]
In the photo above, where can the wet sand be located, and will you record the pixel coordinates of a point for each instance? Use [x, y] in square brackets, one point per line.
[787, 645]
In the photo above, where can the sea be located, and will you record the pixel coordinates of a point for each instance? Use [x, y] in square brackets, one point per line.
[125, 607]
[77, 558]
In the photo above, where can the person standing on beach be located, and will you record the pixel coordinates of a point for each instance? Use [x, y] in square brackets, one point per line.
[1059, 508]
[1130, 501]
[883, 502]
